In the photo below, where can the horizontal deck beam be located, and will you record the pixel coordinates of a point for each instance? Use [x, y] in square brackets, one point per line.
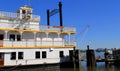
[33, 47]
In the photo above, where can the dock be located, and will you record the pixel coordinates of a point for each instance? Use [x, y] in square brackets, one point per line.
[111, 57]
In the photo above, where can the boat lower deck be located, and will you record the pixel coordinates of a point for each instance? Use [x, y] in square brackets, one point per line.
[14, 57]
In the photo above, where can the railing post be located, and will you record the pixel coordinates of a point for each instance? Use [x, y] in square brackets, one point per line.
[26, 43]
[41, 42]
[12, 43]
[52, 42]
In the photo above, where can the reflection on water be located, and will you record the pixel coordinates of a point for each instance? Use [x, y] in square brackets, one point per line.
[100, 67]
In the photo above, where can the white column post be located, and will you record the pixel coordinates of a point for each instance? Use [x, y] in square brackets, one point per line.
[31, 15]
[69, 38]
[63, 39]
[58, 35]
[15, 38]
[6, 33]
[21, 14]
[21, 36]
[47, 35]
[35, 37]
[26, 13]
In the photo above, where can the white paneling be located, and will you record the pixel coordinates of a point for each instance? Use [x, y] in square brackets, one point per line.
[29, 56]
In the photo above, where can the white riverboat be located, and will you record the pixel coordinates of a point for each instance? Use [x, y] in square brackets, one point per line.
[24, 41]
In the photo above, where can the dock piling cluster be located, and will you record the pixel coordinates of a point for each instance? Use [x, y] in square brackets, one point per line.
[91, 62]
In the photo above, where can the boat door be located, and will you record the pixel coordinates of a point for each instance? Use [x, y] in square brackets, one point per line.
[1, 40]
[1, 59]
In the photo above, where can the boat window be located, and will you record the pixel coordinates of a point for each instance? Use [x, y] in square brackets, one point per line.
[13, 55]
[61, 54]
[43, 54]
[12, 37]
[23, 11]
[1, 55]
[37, 54]
[1, 36]
[20, 55]
[18, 38]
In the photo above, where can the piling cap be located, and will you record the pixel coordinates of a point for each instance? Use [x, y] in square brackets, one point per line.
[87, 47]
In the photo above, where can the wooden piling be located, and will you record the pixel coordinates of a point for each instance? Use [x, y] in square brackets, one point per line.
[74, 59]
[77, 58]
[116, 55]
[106, 58]
[91, 62]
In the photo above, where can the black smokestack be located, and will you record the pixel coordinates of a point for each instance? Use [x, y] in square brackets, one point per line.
[60, 13]
[48, 18]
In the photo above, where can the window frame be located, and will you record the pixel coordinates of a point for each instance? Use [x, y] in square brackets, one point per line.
[1, 37]
[19, 38]
[44, 54]
[37, 54]
[20, 55]
[12, 37]
[13, 56]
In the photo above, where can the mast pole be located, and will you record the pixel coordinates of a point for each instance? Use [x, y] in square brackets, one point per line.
[48, 18]
[60, 13]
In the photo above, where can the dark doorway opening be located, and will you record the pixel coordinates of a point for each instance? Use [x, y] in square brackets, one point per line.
[12, 37]
[1, 36]
[1, 59]
[18, 38]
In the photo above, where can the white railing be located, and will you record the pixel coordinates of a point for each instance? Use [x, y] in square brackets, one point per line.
[8, 14]
[27, 43]
[36, 27]
[70, 43]
[17, 15]
[65, 29]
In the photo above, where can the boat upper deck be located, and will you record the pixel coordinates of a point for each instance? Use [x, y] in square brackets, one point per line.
[23, 30]
[12, 21]
[16, 16]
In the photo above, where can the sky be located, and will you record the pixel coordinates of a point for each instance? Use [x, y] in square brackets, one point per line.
[103, 17]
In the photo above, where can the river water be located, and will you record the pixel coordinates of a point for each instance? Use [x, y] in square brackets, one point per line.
[100, 67]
